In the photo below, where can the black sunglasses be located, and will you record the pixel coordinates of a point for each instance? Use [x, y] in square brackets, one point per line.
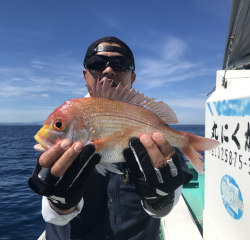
[117, 63]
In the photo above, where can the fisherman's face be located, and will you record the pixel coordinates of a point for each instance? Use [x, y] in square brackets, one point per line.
[125, 78]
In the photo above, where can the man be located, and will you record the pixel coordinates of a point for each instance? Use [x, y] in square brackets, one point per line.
[80, 203]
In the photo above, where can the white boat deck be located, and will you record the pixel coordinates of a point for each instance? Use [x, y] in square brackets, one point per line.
[179, 224]
[42, 237]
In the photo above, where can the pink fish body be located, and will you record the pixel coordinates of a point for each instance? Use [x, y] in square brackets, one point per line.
[110, 117]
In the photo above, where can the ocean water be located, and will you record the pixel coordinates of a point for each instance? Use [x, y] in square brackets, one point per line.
[20, 214]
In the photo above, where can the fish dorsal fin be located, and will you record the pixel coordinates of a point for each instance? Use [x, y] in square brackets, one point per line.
[132, 97]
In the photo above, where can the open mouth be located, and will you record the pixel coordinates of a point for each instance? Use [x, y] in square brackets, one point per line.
[113, 84]
[41, 142]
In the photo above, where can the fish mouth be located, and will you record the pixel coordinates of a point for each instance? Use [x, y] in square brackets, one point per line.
[113, 83]
[41, 142]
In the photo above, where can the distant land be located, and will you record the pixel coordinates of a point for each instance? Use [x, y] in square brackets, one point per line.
[30, 123]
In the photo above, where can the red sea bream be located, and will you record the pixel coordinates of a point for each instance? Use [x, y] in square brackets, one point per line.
[110, 117]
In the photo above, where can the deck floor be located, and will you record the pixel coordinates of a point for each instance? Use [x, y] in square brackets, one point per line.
[179, 224]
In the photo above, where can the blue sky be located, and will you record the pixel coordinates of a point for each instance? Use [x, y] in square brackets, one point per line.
[178, 45]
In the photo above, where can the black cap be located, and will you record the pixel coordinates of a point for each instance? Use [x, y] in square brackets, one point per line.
[92, 49]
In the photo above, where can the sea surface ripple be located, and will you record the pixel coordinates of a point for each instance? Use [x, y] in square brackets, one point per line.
[20, 216]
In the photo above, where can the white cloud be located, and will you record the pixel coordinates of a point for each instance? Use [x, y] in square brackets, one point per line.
[169, 66]
[8, 90]
[173, 49]
[44, 95]
[161, 67]
[36, 62]
[37, 66]
[67, 83]
[159, 81]
[23, 116]
[64, 76]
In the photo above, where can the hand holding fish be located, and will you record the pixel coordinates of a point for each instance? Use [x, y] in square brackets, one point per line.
[158, 149]
[155, 185]
[61, 172]
[60, 157]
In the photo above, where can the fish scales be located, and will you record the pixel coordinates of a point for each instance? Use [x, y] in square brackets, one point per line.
[120, 116]
[109, 116]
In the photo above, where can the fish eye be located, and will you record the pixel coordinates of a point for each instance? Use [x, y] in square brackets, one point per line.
[59, 125]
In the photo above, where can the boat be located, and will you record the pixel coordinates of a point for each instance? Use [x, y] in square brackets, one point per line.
[216, 205]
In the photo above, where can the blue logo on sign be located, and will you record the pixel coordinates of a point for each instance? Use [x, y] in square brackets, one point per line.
[231, 197]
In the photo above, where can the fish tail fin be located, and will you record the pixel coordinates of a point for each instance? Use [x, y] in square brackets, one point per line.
[101, 167]
[197, 143]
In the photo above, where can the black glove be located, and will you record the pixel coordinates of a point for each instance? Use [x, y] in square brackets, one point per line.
[155, 186]
[65, 192]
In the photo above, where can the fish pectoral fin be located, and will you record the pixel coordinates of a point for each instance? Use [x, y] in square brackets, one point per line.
[110, 141]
